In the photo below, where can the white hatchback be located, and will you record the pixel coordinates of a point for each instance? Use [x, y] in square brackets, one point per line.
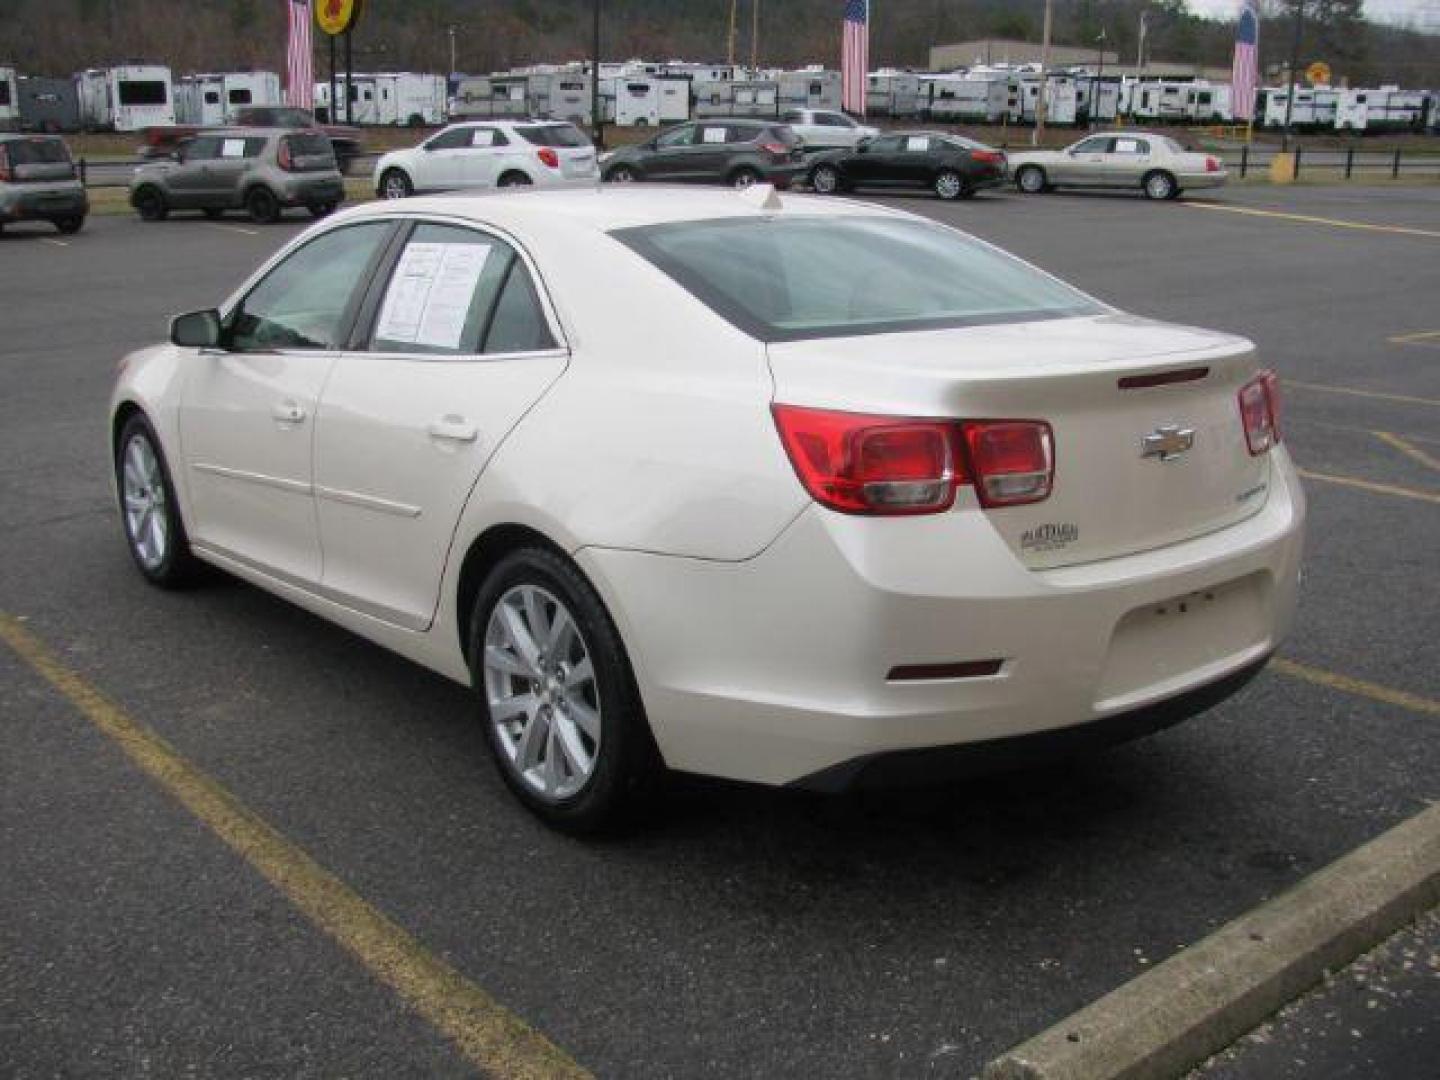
[489, 154]
[622, 461]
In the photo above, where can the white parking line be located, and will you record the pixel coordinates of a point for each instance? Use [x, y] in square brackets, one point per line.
[58, 243]
[236, 229]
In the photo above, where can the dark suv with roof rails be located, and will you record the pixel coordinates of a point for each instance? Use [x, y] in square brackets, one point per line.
[738, 151]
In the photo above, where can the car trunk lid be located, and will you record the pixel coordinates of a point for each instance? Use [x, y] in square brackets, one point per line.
[1149, 445]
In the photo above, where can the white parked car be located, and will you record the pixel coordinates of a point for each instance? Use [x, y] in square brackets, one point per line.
[1143, 161]
[622, 461]
[489, 154]
[827, 129]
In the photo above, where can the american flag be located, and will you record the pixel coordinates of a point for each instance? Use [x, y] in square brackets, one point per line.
[299, 72]
[855, 56]
[1244, 71]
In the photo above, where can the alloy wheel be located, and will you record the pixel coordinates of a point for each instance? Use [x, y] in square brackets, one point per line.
[541, 691]
[146, 522]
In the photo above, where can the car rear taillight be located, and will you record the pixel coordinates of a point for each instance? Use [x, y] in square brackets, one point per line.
[773, 146]
[286, 156]
[1012, 461]
[1212, 165]
[887, 465]
[5, 174]
[548, 157]
[1260, 412]
[860, 464]
[989, 157]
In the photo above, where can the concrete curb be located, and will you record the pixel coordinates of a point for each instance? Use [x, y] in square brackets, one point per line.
[1202, 999]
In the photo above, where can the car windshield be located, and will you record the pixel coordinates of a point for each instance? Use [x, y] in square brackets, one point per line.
[787, 279]
[561, 135]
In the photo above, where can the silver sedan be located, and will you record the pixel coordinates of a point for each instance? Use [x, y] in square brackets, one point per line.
[1154, 164]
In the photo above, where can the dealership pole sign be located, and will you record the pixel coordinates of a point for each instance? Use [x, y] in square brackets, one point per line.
[336, 17]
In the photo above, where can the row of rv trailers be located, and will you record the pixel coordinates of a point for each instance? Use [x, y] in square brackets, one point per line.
[634, 94]
[137, 96]
[639, 98]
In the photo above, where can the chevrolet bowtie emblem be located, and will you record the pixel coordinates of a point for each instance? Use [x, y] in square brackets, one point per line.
[1167, 442]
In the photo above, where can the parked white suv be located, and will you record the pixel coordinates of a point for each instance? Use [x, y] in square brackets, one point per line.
[827, 128]
[488, 154]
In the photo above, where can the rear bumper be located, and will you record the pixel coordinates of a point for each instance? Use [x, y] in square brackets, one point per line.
[1193, 181]
[305, 192]
[781, 668]
[44, 203]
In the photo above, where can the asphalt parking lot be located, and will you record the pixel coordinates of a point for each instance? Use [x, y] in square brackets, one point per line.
[748, 932]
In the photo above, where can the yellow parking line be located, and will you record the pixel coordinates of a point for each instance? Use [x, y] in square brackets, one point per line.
[1359, 687]
[1352, 392]
[1371, 486]
[491, 1037]
[1412, 452]
[1291, 420]
[1310, 219]
[1420, 337]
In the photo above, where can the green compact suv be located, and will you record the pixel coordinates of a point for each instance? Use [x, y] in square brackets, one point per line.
[38, 183]
[259, 170]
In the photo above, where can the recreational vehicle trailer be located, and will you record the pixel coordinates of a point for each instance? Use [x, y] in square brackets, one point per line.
[637, 101]
[9, 100]
[892, 93]
[561, 96]
[1160, 101]
[1062, 100]
[48, 104]
[1314, 107]
[1209, 103]
[408, 99]
[674, 99]
[126, 98]
[211, 100]
[490, 97]
[740, 97]
[960, 99]
[1387, 108]
[812, 88]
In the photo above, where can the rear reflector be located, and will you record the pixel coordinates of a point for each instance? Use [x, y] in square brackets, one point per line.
[1163, 378]
[1260, 412]
[964, 669]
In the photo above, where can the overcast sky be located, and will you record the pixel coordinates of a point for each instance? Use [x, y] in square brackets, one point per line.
[1424, 14]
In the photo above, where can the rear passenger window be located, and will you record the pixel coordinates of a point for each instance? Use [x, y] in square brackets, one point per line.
[459, 292]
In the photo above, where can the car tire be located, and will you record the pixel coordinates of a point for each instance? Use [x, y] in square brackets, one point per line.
[598, 758]
[1030, 179]
[621, 174]
[395, 184]
[1159, 185]
[150, 204]
[515, 179]
[149, 512]
[949, 185]
[262, 205]
[214, 213]
[825, 179]
[70, 225]
[320, 210]
[741, 179]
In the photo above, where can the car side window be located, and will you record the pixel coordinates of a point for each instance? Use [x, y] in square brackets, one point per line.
[459, 292]
[482, 137]
[678, 136]
[1130, 146]
[1099, 145]
[831, 120]
[794, 116]
[917, 144]
[303, 303]
[713, 134]
[451, 140]
[201, 148]
[888, 144]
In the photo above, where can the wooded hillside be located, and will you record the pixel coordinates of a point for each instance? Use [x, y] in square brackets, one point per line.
[61, 36]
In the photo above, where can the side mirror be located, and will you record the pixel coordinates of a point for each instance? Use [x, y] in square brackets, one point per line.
[196, 330]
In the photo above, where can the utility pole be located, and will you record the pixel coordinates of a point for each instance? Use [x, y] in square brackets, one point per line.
[754, 36]
[452, 48]
[1293, 72]
[1140, 48]
[1099, 78]
[733, 5]
[597, 118]
[1039, 132]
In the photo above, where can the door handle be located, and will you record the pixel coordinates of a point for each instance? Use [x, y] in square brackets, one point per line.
[453, 428]
[288, 412]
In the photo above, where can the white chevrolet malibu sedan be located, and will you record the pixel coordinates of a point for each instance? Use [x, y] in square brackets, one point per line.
[807, 492]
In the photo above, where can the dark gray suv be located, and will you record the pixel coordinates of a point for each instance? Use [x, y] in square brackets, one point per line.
[735, 151]
[259, 170]
[38, 183]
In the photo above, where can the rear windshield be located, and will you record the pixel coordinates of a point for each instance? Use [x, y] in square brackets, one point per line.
[311, 151]
[788, 279]
[553, 135]
[36, 152]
